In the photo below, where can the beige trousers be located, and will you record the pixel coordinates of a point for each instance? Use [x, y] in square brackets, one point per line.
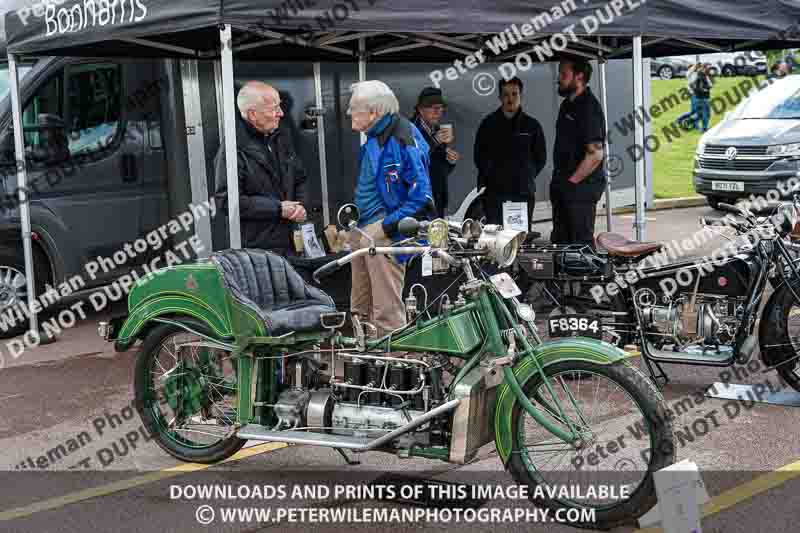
[377, 284]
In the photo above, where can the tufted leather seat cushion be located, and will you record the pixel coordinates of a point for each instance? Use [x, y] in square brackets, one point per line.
[268, 284]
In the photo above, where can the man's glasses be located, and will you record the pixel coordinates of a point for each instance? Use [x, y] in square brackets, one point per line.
[438, 108]
[351, 110]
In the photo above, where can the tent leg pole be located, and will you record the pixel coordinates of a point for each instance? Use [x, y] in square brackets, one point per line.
[229, 117]
[22, 181]
[195, 144]
[323, 160]
[604, 102]
[640, 221]
[362, 70]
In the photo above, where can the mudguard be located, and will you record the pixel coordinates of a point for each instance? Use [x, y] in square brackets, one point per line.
[548, 353]
[190, 290]
[170, 306]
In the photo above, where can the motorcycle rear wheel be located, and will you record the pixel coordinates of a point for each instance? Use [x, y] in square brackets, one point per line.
[617, 464]
[186, 395]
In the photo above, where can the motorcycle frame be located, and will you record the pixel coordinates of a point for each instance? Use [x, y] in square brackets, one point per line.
[486, 304]
[756, 259]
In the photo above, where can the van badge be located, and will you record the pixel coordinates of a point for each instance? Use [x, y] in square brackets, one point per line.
[731, 152]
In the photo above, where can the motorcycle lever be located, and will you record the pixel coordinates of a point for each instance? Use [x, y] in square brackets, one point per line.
[365, 234]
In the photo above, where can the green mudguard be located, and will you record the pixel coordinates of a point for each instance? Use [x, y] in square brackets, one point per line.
[548, 353]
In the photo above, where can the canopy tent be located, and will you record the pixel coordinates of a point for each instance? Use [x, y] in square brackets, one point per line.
[190, 27]
[372, 30]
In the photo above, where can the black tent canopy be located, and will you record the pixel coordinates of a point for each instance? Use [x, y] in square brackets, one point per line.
[380, 30]
[394, 31]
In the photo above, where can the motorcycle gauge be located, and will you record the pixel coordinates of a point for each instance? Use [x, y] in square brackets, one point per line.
[437, 233]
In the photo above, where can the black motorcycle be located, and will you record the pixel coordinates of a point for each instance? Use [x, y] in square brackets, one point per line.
[696, 312]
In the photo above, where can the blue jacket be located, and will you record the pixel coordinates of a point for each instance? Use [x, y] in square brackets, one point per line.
[399, 154]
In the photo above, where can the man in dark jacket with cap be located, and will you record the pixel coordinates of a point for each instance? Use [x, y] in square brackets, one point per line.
[510, 152]
[271, 177]
[427, 117]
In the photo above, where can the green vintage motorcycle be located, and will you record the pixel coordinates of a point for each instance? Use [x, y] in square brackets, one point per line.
[239, 347]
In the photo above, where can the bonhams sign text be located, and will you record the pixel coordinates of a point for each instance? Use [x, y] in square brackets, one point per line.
[91, 13]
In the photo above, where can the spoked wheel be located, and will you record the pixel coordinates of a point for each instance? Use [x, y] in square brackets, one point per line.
[186, 394]
[605, 479]
[785, 319]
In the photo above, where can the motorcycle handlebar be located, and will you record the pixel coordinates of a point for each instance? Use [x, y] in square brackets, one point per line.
[326, 270]
[329, 268]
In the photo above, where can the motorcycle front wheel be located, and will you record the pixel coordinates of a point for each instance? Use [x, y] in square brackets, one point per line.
[185, 392]
[606, 480]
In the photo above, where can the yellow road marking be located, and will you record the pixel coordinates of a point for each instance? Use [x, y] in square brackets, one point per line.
[738, 494]
[117, 486]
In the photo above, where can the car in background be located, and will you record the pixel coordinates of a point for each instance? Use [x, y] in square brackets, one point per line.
[667, 68]
[754, 149]
[749, 63]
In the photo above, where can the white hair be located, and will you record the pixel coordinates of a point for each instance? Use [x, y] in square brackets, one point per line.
[251, 96]
[375, 96]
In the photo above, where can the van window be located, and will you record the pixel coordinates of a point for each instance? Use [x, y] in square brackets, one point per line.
[94, 94]
[781, 100]
[46, 102]
[5, 85]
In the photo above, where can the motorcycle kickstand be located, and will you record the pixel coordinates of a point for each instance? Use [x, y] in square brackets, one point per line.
[661, 380]
[346, 458]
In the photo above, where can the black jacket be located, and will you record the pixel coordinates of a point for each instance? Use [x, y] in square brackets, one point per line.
[440, 168]
[509, 154]
[269, 173]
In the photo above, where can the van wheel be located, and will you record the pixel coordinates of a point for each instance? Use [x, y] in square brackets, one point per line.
[13, 285]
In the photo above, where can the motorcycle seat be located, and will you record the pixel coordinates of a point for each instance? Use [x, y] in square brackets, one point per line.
[269, 285]
[617, 245]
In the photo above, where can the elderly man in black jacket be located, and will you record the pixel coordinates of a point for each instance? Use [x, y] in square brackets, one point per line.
[271, 177]
[509, 152]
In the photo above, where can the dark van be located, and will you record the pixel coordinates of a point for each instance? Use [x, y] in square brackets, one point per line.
[97, 169]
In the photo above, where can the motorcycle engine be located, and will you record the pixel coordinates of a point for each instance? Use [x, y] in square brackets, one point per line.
[372, 395]
[711, 319]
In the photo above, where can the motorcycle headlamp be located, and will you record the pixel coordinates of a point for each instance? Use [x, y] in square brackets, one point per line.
[471, 229]
[438, 233]
[501, 245]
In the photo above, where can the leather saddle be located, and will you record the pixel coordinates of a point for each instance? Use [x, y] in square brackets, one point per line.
[272, 288]
[619, 246]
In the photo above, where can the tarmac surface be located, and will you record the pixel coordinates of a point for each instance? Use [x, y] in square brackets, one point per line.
[77, 393]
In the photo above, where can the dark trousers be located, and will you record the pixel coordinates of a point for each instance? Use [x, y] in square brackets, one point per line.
[440, 201]
[493, 206]
[573, 218]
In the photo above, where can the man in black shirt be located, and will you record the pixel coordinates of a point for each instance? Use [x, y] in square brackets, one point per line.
[510, 152]
[578, 172]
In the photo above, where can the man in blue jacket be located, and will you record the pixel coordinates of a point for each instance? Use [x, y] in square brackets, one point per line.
[393, 183]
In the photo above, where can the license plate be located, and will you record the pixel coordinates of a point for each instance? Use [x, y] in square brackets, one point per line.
[505, 285]
[575, 325]
[736, 186]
